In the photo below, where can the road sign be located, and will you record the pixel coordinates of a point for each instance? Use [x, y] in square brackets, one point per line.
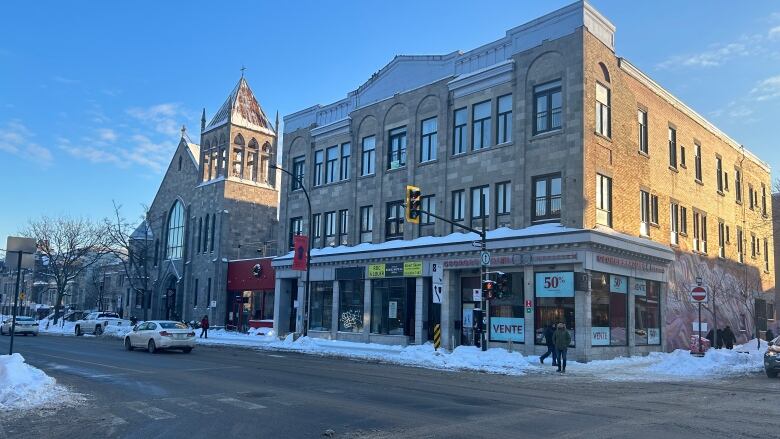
[485, 258]
[528, 304]
[438, 292]
[704, 327]
[437, 337]
[698, 294]
[213, 303]
[477, 294]
[476, 243]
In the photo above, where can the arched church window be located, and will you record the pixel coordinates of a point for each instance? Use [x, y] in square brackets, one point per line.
[239, 140]
[251, 160]
[175, 241]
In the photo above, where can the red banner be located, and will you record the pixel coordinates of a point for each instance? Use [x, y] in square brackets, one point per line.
[300, 247]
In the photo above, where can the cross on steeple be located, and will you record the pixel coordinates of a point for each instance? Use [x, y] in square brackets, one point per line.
[242, 70]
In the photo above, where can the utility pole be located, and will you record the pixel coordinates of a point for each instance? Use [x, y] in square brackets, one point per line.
[22, 247]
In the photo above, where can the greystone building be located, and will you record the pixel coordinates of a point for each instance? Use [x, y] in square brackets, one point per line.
[502, 125]
[217, 202]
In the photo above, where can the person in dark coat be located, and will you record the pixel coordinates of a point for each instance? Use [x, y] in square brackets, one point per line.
[728, 337]
[711, 337]
[720, 339]
[562, 339]
[548, 339]
[769, 335]
[204, 327]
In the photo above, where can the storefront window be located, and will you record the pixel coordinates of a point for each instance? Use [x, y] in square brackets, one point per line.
[609, 310]
[321, 306]
[351, 305]
[507, 321]
[261, 306]
[392, 306]
[647, 327]
[554, 293]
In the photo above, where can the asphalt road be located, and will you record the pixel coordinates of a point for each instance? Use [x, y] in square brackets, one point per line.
[220, 392]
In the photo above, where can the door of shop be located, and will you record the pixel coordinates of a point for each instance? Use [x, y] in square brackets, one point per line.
[467, 286]
[293, 309]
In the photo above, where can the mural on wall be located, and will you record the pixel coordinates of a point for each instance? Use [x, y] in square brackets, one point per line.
[732, 287]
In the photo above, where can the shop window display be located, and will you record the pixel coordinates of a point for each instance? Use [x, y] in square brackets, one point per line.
[609, 310]
[554, 293]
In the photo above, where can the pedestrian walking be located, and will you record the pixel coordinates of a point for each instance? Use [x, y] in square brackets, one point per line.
[562, 339]
[728, 337]
[711, 337]
[204, 327]
[720, 339]
[769, 335]
[549, 331]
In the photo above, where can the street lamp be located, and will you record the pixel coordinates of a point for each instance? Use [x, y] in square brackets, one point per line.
[308, 247]
[22, 247]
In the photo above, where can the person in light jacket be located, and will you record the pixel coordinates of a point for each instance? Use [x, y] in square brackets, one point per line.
[204, 327]
[561, 339]
[549, 331]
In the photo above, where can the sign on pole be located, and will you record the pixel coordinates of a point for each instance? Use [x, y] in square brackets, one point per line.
[699, 294]
[301, 249]
[438, 292]
[484, 258]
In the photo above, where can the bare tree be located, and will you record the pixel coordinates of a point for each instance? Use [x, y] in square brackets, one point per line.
[132, 243]
[70, 246]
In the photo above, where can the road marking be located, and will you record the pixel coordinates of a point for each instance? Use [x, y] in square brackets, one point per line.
[93, 363]
[241, 404]
[276, 356]
[111, 420]
[192, 405]
[209, 369]
[147, 410]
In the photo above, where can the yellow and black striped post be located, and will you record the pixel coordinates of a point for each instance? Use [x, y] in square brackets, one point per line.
[437, 336]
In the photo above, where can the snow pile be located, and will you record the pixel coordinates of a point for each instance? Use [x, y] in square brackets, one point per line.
[117, 331]
[66, 328]
[23, 386]
[254, 338]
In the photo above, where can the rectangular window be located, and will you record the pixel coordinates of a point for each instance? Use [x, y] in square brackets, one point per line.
[644, 213]
[366, 223]
[700, 232]
[766, 255]
[458, 205]
[750, 197]
[674, 221]
[547, 197]
[157, 248]
[672, 147]
[392, 306]
[603, 200]
[683, 220]
[480, 125]
[609, 310]
[740, 246]
[721, 239]
[195, 295]
[299, 166]
[547, 107]
[332, 164]
[647, 315]
[554, 303]
[428, 139]
[208, 293]
[697, 162]
[459, 131]
[642, 120]
[319, 156]
[480, 196]
[396, 151]
[394, 220]
[719, 171]
[504, 122]
[316, 223]
[296, 228]
[654, 210]
[330, 228]
[205, 236]
[368, 155]
[428, 204]
[753, 245]
[213, 232]
[321, 306]
[603, 110]
[346, 153]
[763, 199]
[503, 198]
[682, 157]
[738, 185]
[351, 305]
[343, 227]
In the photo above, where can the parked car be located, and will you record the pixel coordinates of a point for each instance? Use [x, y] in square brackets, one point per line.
[154, 335]
[24, 325]
[772, 358]
[96, 322]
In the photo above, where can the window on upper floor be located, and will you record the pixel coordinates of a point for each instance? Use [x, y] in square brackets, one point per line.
[394, 220]
[299, 169]
[674, 223]
[603, 200]
[740, 246]
[603, 111]
[699, 232]
[428, 204]
[460, 117]
[548, 104]
[458, 205]
[504, 121]
[319, 157]
[682, 157]
[480, 206]
[368, 155]
[642, 121]
[719, 171]
[396, 151]
[697, 162]
[330, 228]
[751, 197]
[366, 223]
[766, 255]
[331, 164]
[721, 239]
[428, 139]
[753, 246]
[296, 228]
[316, 227]
[480, 125]
[547, 197]
[763, 199]
[175, 232]
[673, 147]
[343, 233]
[738, 185]
[346, 153]
[683, 220]
[644, 213]
[503, 198]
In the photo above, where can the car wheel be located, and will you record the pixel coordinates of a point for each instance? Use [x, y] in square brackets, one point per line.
[78, 331]
[128, 345]
[187, 350]
[151, 347]
[98, 330]
[771, 373]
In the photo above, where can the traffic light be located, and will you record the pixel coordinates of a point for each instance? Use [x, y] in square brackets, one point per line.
[502, 283]
[489, 289]
[413, 204]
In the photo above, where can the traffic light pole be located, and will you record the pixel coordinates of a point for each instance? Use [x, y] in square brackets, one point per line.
[16, 302]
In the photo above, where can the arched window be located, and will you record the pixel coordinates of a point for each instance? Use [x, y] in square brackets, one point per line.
[251, 161]
[173, 248]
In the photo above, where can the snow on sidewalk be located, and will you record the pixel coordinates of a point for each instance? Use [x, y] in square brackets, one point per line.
[24, 387]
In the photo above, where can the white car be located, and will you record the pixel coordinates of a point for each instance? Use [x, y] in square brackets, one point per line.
[96, 322]
[154, 335]
[24, 325]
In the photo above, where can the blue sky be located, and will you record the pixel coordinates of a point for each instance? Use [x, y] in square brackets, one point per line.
[93, 94]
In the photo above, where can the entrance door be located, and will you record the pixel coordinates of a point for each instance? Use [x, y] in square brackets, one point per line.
[468, 284]
[169, 310]
[293, 310]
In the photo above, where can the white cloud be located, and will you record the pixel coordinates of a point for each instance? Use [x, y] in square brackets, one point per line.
[774, 32]
[161, 117]
[64, 80]
[16, 139]
[107, 134]
[767, 89]
[90, 153]
[712, 57]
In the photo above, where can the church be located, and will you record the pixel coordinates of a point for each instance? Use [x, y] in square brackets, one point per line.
[213, 221]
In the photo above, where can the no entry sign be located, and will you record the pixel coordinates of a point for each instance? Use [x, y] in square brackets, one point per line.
[698, 294]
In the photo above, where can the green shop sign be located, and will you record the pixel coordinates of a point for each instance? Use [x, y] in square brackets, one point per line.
[395, 269]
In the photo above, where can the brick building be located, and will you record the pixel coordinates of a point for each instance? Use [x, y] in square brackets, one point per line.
[605, 197]
[217, 202]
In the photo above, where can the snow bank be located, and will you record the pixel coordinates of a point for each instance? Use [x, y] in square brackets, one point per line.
[117, 331]
[23, 386]
[69, 328]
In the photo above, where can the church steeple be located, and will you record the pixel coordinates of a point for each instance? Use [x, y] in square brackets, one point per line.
[203, 121]
[242, 109]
